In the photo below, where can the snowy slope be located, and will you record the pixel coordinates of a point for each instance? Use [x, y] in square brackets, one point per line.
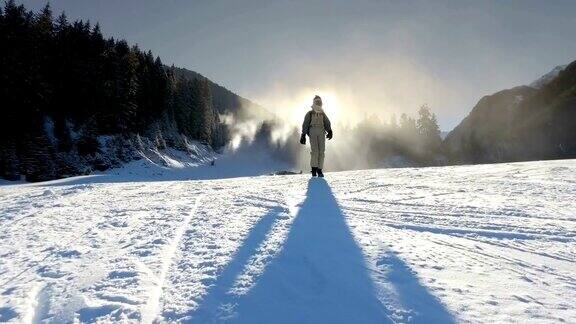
[488, 243]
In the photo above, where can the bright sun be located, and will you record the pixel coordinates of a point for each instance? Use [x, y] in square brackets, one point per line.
[330, 103]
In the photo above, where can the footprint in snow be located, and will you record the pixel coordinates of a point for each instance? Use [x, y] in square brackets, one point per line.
[6, 314]
[159, 241]
[69, 254]
[122, 274]
[142, 253]
[46, 272]
[8, 291]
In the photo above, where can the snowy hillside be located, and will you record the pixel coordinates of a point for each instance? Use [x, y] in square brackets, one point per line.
[488, 243]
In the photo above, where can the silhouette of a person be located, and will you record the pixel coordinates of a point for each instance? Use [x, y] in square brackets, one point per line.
[317, 126]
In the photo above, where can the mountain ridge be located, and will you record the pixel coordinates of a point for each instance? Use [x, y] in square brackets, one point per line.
[225, 100]
[548, 77]
[521, 123]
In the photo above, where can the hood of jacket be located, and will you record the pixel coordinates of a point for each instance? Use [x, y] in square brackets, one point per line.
[317, 108]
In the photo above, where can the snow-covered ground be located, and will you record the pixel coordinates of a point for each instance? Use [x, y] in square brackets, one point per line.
[489, 243]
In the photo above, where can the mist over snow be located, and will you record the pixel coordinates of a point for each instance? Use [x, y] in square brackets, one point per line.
[362, 142]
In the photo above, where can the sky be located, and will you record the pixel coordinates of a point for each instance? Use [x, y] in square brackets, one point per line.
[367, 57]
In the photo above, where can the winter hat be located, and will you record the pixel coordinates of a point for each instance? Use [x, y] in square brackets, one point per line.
[317, 101]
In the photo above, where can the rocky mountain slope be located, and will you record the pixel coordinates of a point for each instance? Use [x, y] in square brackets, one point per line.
[524, 123]
[226, 101]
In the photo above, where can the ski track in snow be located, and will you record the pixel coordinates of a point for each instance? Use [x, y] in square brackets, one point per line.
[150, 311]
[471, 244]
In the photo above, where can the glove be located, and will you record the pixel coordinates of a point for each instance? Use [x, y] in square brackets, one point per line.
[303, 139]
[329, 135]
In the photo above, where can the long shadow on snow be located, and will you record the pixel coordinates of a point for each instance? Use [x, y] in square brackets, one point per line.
[217, 296]
[319, 276]
[420, 305]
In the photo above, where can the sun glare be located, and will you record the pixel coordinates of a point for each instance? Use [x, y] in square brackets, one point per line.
[330, 103]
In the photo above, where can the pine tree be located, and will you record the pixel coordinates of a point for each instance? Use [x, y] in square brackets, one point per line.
[43, 21]
[408, 125]
[197, 106]
[61, 23]
[89, 86]
[429, 131]
[127, 90]
[183, 106]
[62, 133]
[9, 163]
[88, 142]
[38, 161]
[210, 115]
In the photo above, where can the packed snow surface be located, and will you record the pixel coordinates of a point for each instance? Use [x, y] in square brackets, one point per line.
[487, 243]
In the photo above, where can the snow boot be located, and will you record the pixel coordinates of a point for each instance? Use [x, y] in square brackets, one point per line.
[320, 174]
[314, 171]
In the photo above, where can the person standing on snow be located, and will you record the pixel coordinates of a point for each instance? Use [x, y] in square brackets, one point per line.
[316, 125]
